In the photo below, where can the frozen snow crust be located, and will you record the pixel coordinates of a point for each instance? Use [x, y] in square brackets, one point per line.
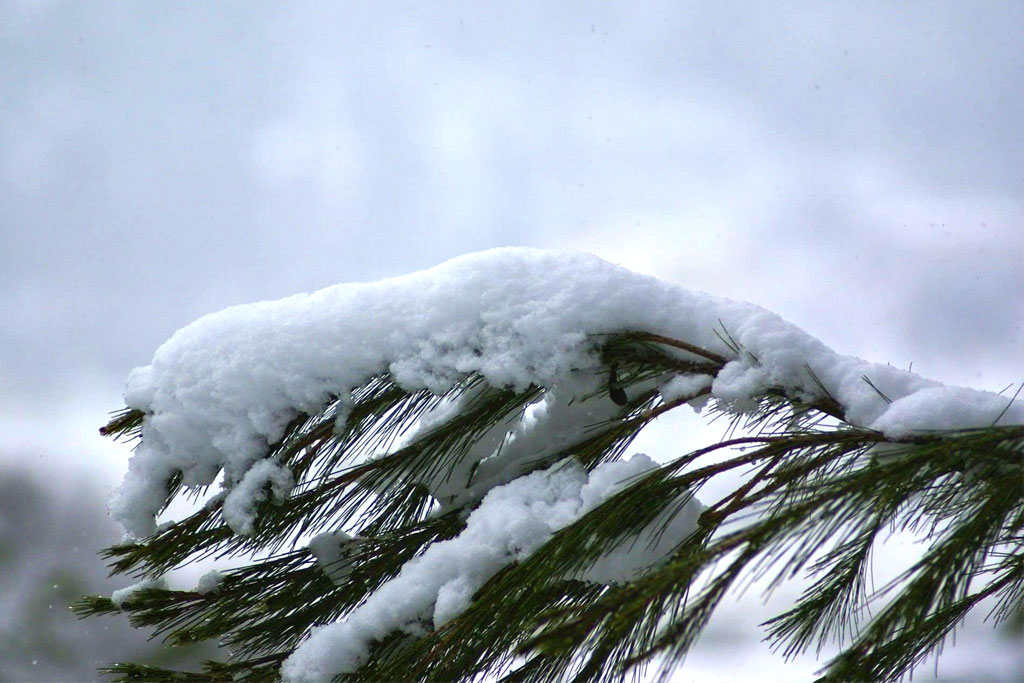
[223, 388]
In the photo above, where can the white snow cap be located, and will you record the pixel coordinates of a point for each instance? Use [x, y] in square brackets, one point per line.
[223, 388]
[123, 595]
[333, 550]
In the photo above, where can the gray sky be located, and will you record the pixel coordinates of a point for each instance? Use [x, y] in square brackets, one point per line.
[857, 167]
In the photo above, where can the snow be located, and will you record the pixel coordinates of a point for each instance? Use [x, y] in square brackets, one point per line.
[239, 507]
[223, 389]
[935, 408]
[633, 556]
[683, 386]
[511, 522]
[123, 595]
[511, 449]
[332, 551]
[210, 582]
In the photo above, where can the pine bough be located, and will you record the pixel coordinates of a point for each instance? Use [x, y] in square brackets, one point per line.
[427, 478]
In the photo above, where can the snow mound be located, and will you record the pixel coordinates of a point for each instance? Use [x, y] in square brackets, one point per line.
[223, 388]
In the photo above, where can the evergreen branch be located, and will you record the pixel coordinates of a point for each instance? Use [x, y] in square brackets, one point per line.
[816, 498]
[258, 670]
[270, 606]
[126, 422]
[899, 652]
[718, 359]
[126, 672]
[92, 605]
[823, 608]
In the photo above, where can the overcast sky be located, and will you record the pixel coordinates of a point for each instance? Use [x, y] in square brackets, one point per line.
[857, 167]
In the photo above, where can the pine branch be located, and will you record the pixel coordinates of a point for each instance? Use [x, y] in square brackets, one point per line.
[816, 498]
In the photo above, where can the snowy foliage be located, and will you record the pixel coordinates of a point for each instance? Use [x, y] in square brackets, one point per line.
[223, 388]
[123, 595]
[511, 522]
[223, 393]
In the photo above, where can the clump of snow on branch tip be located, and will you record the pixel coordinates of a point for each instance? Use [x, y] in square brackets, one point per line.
[684, 386]
[333, 552]
[142, 492]
[210, 581]
[938, 408]
[511, 523]
[265, 478]
[123, 595]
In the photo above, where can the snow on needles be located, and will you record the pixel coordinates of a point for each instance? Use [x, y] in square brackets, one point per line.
[223, 388]
[510, 523]
[239, 508]
[123, 595]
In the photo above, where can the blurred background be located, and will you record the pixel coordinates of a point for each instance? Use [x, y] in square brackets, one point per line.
[856, 167]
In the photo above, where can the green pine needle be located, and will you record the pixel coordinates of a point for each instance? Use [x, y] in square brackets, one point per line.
[816, 498]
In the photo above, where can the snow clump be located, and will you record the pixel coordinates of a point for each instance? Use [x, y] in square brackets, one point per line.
[123, 595]
[511, 522]
[223, 389]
